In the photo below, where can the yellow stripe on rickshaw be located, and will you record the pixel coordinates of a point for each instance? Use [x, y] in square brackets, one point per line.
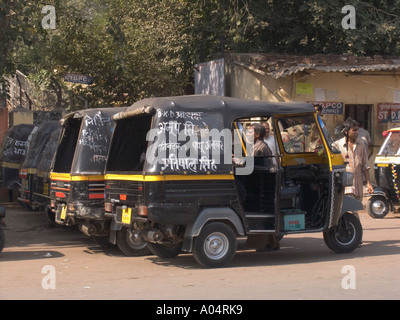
[11, 165]
[69, 177]
[143, 178]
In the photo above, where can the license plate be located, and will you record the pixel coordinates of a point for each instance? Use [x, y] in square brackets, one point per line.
[383, 164]
[126, 215]
[63, 212]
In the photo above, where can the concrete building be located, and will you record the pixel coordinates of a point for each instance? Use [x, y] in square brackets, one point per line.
[364, 88]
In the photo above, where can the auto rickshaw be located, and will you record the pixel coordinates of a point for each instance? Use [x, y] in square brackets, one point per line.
[77, 171]
[386, 195]
[12, 155]
[172, 178]
[28, 171]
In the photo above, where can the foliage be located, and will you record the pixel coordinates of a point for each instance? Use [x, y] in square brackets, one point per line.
[140, 48]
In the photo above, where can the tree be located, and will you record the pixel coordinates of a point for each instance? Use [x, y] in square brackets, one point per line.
[141, 48]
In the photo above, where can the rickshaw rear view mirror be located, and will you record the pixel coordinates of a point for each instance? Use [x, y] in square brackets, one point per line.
[347, 179]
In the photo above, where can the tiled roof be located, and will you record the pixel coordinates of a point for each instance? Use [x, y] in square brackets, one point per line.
[279, 65]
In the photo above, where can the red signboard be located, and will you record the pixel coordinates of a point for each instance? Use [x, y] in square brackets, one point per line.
[388, 112]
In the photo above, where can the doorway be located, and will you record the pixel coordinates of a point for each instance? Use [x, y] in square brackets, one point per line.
[361, 113]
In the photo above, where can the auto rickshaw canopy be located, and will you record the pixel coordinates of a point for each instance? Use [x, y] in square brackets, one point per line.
[230, 108]
[83, 145]
[181, 124]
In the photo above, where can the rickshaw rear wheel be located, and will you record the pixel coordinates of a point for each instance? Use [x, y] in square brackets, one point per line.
[378, 207]
[215, 246]
[131, 244]
[346, 236]
[166, 250]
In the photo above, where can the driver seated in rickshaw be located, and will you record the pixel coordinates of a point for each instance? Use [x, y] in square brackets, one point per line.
[255, 133]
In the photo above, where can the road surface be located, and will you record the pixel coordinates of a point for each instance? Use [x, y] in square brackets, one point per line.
[41, 261]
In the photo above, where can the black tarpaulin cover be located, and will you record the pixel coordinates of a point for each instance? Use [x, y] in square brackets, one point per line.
[38, 143]
[84, 143]
[12, 154]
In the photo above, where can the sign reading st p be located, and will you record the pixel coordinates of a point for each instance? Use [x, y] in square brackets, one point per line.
[77, 78]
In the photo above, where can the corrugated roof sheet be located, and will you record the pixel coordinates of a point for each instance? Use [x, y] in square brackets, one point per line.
[278, 66]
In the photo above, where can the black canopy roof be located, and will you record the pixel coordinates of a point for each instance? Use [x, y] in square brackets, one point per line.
[38, 143]
[15, 143]
[84, 143]
[231, 108]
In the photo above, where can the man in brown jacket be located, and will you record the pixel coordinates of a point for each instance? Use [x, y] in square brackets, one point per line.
[355, 153]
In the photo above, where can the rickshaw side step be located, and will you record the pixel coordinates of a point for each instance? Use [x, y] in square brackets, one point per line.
[261, 231]
[259, 215]
[260, 222]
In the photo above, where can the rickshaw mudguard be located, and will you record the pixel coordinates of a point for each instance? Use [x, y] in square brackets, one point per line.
[378, 191]
[350, 204]
[211, 214]
[114, 228]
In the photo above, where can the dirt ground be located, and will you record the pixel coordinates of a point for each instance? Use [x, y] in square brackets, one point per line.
[41, 261]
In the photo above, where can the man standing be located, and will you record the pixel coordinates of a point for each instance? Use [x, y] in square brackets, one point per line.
[354, 152]
[364, 135]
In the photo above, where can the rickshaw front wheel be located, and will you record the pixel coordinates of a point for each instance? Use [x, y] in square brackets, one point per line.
[346, 236]
[378, 207]
[215, 246]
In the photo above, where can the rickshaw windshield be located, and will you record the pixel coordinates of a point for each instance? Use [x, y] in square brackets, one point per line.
[300, 134]
[327, 135]
[391, 146]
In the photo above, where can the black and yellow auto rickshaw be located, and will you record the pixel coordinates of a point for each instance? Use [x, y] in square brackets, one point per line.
[172, 177]
[12, 155]
[386, 195]
[77, 171]
[29, 168]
